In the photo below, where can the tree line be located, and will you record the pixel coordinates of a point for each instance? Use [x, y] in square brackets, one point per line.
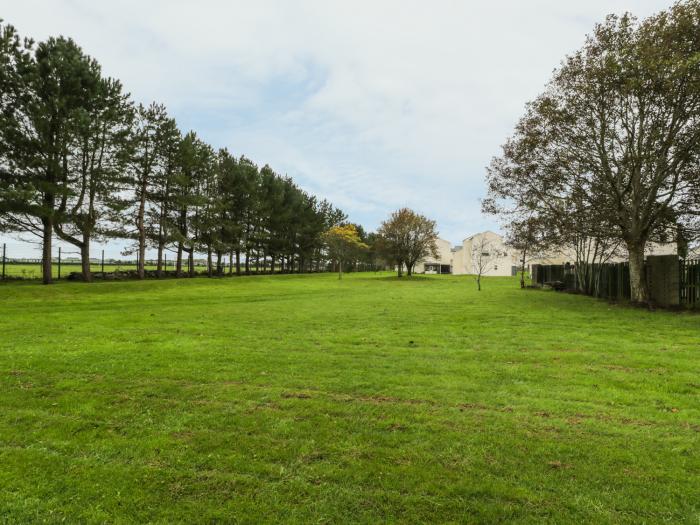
[81, 161]
[607, 159]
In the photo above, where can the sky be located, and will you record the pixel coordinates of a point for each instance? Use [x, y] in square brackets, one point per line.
[374, 105]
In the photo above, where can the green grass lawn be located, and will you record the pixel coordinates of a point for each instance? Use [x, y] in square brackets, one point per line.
[371, 399]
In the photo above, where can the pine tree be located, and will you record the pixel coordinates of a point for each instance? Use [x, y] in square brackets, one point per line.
[94, 163]
[47, 92]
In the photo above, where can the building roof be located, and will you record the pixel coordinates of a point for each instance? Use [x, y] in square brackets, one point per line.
[482, 233]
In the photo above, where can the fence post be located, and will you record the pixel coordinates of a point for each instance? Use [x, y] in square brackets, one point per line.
[103, 263]
[4, 248]
[59, 262]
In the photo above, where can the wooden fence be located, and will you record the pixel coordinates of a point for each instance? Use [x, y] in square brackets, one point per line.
[690, 283]
[612, 280]
[607, 281]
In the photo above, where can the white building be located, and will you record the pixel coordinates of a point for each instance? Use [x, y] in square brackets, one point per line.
[440, 264]
[485, 250]
[488, 250]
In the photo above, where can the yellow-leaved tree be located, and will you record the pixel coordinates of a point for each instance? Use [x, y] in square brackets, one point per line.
[343, 243]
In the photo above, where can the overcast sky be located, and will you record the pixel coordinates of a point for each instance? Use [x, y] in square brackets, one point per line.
[372, 104]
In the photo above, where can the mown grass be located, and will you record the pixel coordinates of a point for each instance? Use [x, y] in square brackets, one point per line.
[308, 399]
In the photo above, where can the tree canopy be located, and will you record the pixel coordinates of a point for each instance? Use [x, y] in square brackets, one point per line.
[343, 242]
[407, 238]
[609, 154]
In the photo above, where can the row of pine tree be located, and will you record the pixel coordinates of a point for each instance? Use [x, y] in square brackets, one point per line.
[81, 161]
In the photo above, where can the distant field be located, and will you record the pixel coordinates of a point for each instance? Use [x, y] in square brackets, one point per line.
[305, 399]
[33, 271]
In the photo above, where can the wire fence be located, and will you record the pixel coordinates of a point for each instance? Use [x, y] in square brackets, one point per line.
[63, 265]
[70, 267]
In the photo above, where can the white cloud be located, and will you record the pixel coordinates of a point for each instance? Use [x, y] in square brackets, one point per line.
[374, 105]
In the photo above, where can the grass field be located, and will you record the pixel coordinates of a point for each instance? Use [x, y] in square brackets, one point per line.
[308, 399]
[33, 271]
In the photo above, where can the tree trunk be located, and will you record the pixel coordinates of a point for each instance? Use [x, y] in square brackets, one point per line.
[238, 262]
[478, 282]
[83, 245]
[85, 259]
[209, 261]
[46, 263]
[160, 258]
[178, 264]
[191, 262]
[161, 241]
[142, 230]
[340, 268]
[142, 256]
[638, 284]
[272, 264]
[522, 270]
[247, 262]
[219, 267]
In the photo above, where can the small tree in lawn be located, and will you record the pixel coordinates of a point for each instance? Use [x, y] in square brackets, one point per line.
[343, 242]
[482, 258]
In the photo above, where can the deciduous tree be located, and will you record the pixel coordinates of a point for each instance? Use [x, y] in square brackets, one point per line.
[618, 131]
[343, 243]
[483, 255]
[406, 238]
